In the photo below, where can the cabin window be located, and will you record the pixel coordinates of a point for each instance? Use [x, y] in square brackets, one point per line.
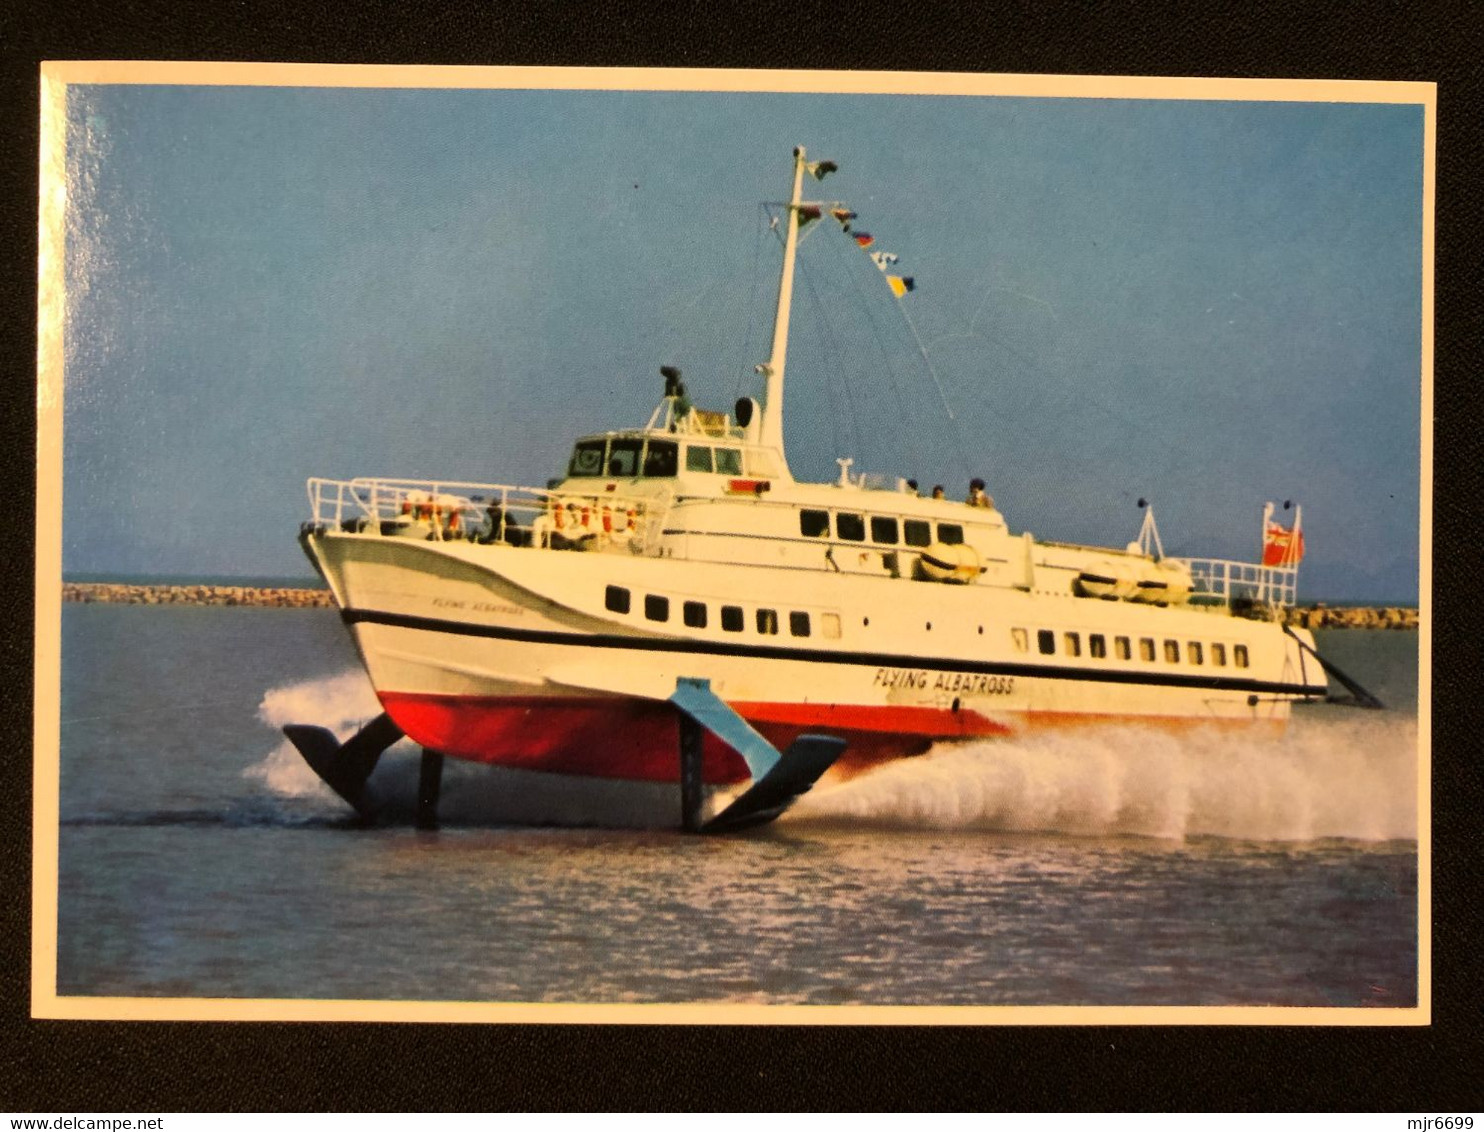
[1218, 655]
[694, 614]
[662, 459]
[1073, 643]
[814, 524]
[698, 458]
[883, 529]
[1146, 648]
[1046, 641]
[616, 599]
[829, 625]
[587, 458]
[1019, 638]
[1193, 650]
[798, 624]
[729, 461]
[656, 608]
[1097, 647]
[950, 533]
[731, 618]
[1172, 652]
[623, 458]
[1239, 655]
[1120, 648]
[850, 527]
[767, 622]
[916, 532]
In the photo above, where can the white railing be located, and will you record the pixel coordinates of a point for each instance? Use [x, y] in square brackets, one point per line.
[505, 514]
[1243, 582]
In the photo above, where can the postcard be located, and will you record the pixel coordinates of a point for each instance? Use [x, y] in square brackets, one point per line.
[684, 546]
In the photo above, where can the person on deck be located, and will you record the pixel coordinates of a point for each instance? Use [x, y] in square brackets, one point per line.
[977, 498]
[938, 491]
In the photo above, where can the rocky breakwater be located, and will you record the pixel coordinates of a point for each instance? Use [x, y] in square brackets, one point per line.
[130, 594]
[1321, 616]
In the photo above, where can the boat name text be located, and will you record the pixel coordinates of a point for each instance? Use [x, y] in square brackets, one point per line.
[967, 683]
[477, 606]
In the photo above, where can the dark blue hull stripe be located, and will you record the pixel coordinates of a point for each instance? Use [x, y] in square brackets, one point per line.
[820, 656]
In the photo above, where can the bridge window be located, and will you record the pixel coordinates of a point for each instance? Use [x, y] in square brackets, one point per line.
[850, 527]
[1146, 648]
[1193, 650]
[1120, 648]
[950, 533]
[767, 622]
[587, 458]
[829, 625]
[662, 459]
[1239, 655]
[729, 461]
[798, 624]
[814, 524]
[916, 532]
[656, 608]
[731, 618]
[616, 599]
[694, 614]
[1218, 655]
[1019, 639]
[1073, 642]
[1172, 652]
[623, 458]
[1046, 641]
[1097, 647]
[698, 458]
[883, 529]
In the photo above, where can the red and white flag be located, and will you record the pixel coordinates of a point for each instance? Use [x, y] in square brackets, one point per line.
[1282, 546]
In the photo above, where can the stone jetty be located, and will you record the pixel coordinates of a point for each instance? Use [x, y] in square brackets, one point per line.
[1321, 616]
[132, 594]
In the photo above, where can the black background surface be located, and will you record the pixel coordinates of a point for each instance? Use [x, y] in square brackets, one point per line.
[61, 1067]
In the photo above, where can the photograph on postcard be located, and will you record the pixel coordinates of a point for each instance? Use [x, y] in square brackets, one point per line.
[947, 547]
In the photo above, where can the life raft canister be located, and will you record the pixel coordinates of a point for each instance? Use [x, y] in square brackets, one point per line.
[1164, 583]
[1107, 579]
[957, 563]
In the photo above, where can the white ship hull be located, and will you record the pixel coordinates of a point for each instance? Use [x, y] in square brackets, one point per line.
[509, 656]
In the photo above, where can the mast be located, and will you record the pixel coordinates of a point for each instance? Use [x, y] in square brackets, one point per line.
[772, 425]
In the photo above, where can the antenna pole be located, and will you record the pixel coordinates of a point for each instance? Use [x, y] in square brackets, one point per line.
[772, 426]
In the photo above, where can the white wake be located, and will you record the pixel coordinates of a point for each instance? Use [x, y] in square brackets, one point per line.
[342, 703]
[1349, 775]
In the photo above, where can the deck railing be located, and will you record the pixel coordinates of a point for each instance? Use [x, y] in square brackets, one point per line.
[1234, 583]
[504, 514]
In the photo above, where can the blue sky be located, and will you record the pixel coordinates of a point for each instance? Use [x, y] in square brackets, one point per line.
[1209, 304]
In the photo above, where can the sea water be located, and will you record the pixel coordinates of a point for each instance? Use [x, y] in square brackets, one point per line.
[1121, 866]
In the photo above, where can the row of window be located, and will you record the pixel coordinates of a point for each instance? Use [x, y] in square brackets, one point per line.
[1097, 647]
[850, 526]
[624, 459]
[696, 615]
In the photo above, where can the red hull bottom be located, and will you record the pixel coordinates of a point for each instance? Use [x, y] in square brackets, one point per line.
[639, 740]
